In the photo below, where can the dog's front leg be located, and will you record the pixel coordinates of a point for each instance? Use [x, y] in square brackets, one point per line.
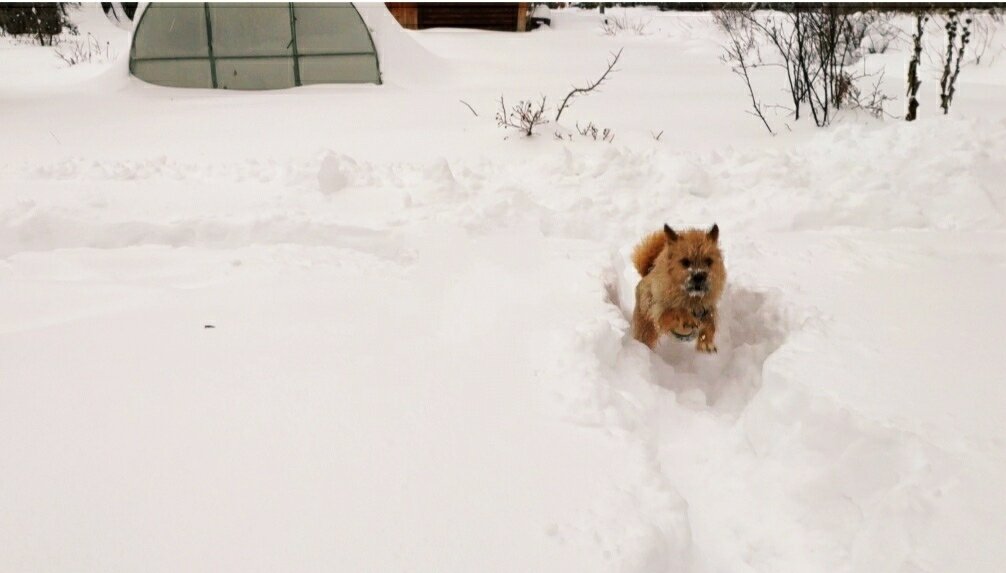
[707, 333]
[643, 329]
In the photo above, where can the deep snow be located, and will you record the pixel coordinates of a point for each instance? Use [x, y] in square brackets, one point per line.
[356, 328]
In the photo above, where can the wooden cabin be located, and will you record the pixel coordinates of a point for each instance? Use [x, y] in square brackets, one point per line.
[502, 16]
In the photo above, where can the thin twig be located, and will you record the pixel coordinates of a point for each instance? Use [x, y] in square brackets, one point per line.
[469, 107]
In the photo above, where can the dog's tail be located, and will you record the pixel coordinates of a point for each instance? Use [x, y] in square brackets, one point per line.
[647, 251]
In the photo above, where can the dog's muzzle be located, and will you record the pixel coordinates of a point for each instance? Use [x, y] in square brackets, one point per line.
[698, 284]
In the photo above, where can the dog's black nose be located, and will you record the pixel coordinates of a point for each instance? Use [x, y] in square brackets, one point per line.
[699, 277]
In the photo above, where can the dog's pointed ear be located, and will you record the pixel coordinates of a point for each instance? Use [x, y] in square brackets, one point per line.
[714, 233]
[671, 235]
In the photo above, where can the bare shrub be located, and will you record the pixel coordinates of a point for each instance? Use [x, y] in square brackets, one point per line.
[738, 51]
[815, 47]
[84, 50]
[525, 116]
[913, 67]
[983, 32]
[877, 31]
[615, 25]
[595, 133]
[872, 99]
[952, 64]
[827, 48]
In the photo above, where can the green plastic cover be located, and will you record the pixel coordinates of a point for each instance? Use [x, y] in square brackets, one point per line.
[252, 46]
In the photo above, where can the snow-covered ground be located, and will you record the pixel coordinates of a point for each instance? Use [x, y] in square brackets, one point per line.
[355, 328]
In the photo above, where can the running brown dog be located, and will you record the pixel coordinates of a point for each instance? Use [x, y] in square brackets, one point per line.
[683, 278]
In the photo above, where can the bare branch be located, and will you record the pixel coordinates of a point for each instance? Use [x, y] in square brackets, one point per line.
[469, 107]
[577, 91]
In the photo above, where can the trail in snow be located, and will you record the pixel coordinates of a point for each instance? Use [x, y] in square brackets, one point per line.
[753, 459]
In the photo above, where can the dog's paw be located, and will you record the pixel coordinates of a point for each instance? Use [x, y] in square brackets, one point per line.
[685, 337]
[689, 323]
[705, 344]
[677, 320]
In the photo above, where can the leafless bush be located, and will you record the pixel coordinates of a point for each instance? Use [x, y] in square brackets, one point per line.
[592, 131]
[955, 47]
[816, 48]
[84, 50]
[528, 115]
[877, 31]
[740, 48]
[871, 31]
[983, 32]
[832, 47]
[525, 116]
[872, 99]
[568, 100]
[615, 25]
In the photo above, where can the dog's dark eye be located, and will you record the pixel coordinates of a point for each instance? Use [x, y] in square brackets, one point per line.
[686, 263]
[709, 261]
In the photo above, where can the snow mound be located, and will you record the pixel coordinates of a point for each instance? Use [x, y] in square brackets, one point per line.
[336, 173]
[402, 59]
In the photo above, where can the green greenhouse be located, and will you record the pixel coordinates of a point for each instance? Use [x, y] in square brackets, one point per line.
[252, 46]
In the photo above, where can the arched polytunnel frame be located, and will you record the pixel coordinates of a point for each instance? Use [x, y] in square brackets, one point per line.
[253, 46]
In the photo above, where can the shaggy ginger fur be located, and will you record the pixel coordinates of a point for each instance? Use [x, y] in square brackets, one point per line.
[683, 278]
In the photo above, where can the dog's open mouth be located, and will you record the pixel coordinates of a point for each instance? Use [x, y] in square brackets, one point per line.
[697, 284]
[695, 290]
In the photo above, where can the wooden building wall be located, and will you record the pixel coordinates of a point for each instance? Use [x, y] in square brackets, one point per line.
[503, 16]
[406, 13]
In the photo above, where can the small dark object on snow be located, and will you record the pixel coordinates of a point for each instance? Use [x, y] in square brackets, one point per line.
[208, 326]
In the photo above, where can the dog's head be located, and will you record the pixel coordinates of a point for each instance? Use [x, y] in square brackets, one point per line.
[694, 261]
